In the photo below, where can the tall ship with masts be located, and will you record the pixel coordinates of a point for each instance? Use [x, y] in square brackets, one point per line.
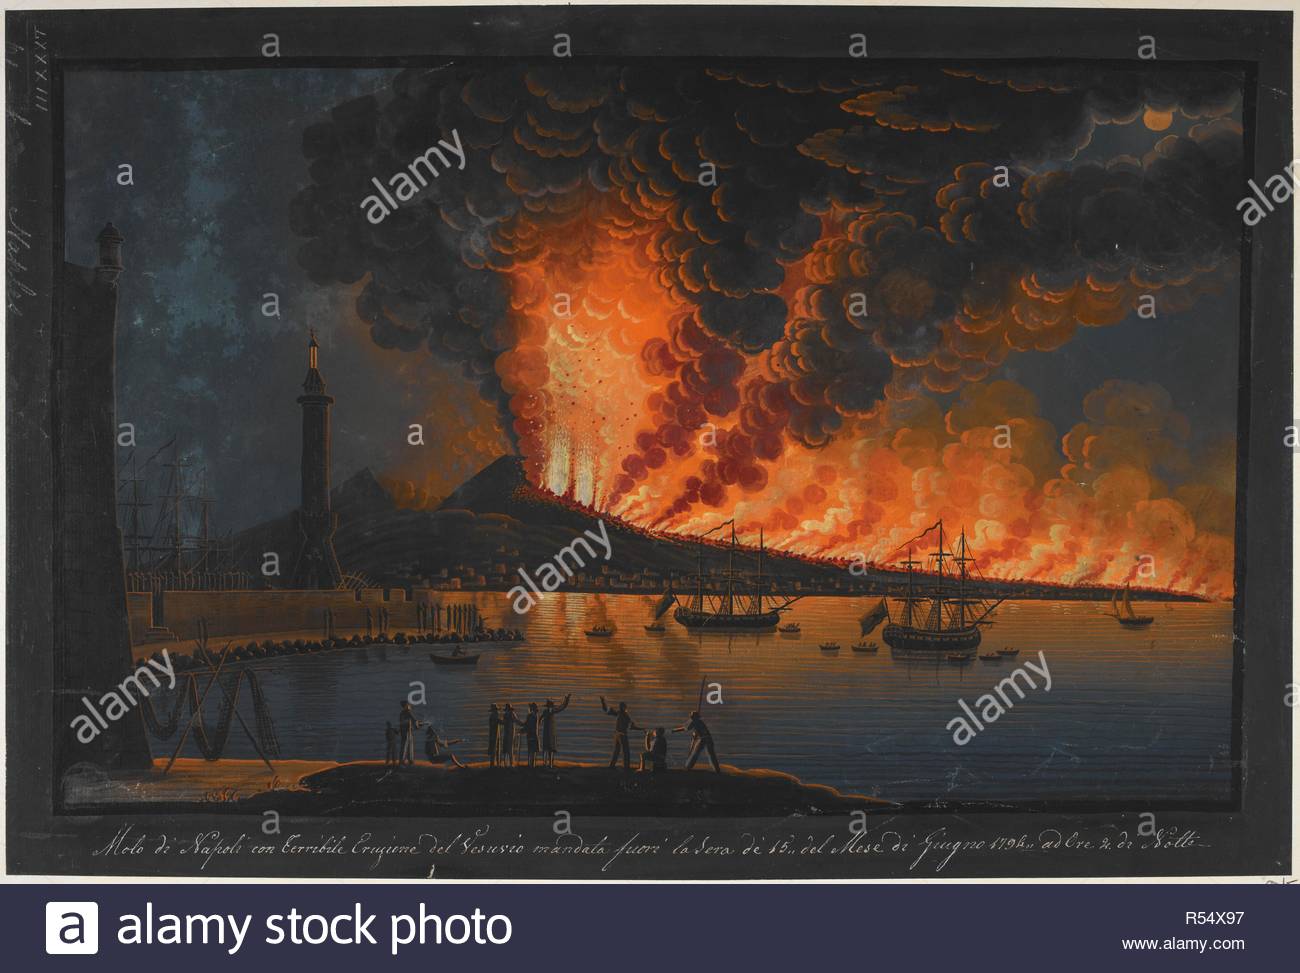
[938, 612]
[178, 549]
[733, 600]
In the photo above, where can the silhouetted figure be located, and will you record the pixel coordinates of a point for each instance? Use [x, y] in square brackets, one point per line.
[509, 720]
[494, 735]
[390, 749]
[548, 731]
[529, 730]
[701, 741]
[433, 749]
[622, 723]
[370, 621]
[656, 751]
[409, 724]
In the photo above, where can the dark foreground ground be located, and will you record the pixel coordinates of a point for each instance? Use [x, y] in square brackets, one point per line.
[373, 789]
[369, 788]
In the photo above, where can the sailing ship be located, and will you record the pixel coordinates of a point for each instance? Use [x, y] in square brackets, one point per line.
[939, 614]
[179, 549]
[730, 601]
[1123, 611]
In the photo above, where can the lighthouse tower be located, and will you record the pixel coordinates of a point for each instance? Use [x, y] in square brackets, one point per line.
[316, 566]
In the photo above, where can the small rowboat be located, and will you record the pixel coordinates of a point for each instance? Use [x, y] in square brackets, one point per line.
[789, 627]
[454, 660]
[960, 656]
[1008, 652]
[866, 647]
[829, 646]
[600, 632]
[656, 629]
[991, 656]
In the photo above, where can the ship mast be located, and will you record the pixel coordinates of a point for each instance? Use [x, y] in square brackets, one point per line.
[133, 536]
[175, 497]
[205, 515]
[937, 610]
[907, 612]
[758, 597]
[731, 567]
[961, 583]
[699, 595]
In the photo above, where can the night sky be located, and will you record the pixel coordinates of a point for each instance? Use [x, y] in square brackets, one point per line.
[217, 157]
[245, 183]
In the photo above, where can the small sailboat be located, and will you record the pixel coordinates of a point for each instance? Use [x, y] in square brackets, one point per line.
[829, 646]
[1123, 611]
[866, 646]
[601, 631]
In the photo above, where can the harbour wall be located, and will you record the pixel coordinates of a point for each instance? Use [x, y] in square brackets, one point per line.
[257, 612]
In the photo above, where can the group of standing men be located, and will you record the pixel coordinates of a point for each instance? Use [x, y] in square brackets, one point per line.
[536, 732]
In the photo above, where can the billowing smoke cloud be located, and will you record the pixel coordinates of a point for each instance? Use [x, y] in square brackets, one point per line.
[754, 261]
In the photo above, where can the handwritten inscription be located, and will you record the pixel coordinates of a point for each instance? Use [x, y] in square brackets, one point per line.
[922, 852]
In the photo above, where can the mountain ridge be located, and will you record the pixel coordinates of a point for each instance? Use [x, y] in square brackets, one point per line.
[497, 523]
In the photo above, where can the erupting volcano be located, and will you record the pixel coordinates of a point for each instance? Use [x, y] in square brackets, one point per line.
[837, 303]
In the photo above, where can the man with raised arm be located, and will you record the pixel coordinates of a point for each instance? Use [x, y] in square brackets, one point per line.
[623, 722]
[547, 729]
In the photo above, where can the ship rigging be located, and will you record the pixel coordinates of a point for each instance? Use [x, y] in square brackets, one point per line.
[179, 549]
[733, 600]
[938, 612]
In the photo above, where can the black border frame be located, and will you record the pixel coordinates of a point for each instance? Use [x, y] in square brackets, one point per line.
[1251, 836]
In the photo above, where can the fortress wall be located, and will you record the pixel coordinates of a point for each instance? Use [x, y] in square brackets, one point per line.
[258, 612]
[254, 612]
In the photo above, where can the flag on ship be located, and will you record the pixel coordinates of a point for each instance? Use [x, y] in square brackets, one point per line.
[871, 619]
